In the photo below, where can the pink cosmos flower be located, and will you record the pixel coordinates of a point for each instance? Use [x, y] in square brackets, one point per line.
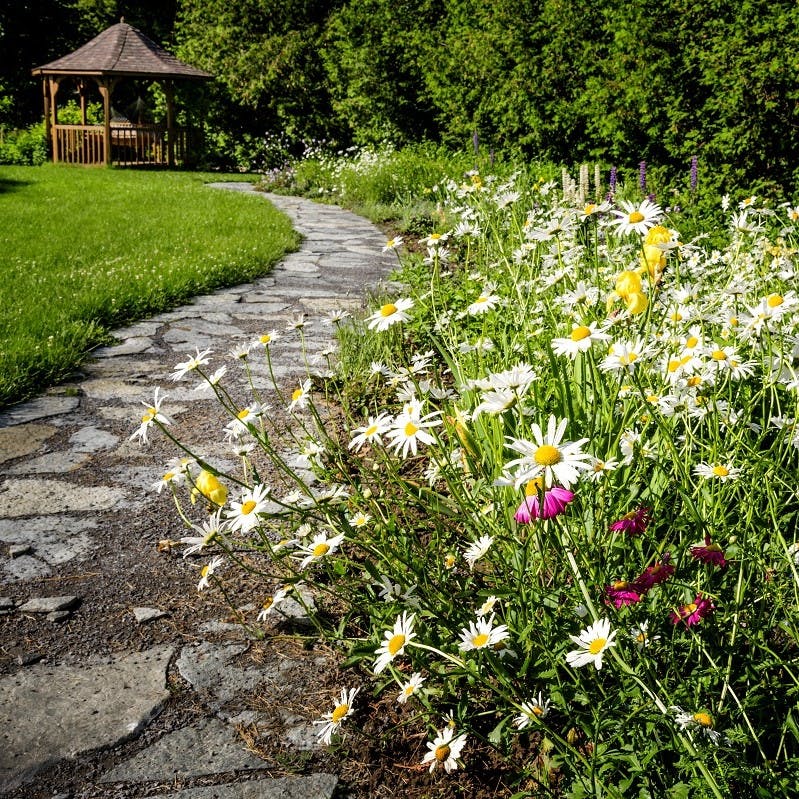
[634, 522]
[622, 593]
[693, 612]
[655, 574]
[555, 501]
[709, 553]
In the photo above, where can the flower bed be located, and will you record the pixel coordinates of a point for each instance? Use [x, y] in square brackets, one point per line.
[555, 510]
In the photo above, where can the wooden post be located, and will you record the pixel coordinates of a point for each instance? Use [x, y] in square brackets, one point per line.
[52, 90]
[48, 125]
[106, 89]
[82, 94]
[169, 91]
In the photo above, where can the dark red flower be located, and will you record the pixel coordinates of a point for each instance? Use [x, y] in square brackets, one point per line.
[634, 522]
[622, 593]
[693, 612]
[655, 574]
[709, 553]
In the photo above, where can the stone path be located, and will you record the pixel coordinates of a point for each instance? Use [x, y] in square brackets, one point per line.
[110, 685]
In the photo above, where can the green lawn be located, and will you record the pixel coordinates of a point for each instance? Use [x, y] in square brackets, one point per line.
[85, 250]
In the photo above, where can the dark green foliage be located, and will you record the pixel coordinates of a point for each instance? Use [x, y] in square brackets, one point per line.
[614, 82]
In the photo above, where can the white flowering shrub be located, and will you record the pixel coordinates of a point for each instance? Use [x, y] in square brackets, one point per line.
[558, 512]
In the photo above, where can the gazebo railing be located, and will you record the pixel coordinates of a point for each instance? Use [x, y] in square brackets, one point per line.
[131, 145]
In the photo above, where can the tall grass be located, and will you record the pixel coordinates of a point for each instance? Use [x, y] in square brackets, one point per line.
[84, 250]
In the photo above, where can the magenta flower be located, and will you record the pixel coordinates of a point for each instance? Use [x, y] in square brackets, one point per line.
[634, 522]
[655, 574]
[555, 501]
[709, 553]
[693, 612]
[622, 593]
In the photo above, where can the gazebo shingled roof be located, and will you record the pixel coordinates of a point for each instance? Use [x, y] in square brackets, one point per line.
[119, 52]
[122, 50]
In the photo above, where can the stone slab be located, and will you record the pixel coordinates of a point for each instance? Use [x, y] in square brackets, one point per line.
[26, 567]
[51, 463]
[49, 604]
[56, 539]
[209, 747]
[39, 408]
[135, 345]
[23, 440]
[37, 497]
[211, 670]
[143, 615]
[92, 439]
[48, 713]
[313, 786]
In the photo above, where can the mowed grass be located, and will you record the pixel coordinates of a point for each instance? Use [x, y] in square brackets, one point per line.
[83, 251]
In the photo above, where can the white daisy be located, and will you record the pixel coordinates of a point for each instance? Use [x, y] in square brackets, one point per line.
[200, 359]
[207, 571]
[394, 641]
[579, 340]
[444, 750]
[389, 314]
[333, 720]
[244, 514]
[371, 432]
[409, 429]
[547, 456]
[634, 218]
[151, 417]
[593, 641]
[532, 710]
[717, 471]
[318, 548]
[410, 687]
[482, 634]
[477, 549]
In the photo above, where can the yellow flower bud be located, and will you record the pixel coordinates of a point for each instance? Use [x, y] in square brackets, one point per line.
[658, 235]
[653, 259]
[210, 488]
[636, 302]
[628, 282]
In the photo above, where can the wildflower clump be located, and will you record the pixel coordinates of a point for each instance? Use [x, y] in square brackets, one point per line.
[571, 442]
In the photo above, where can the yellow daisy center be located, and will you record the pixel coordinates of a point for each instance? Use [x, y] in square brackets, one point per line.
[689, 608]
[719, 355]
[480, 640]
[481, 299]
[581, 332]
[371, 430]
[694, 381]
[298, 392]
[411, 429]
[533, 487]
[619, 584]
[395, 644]
[597, 645]
[242, 415]
[266, 338]
[204, 571]
[626, 360]
[775, 300]
[168, 476]
[691, 342]
[248, 507]
[148, 417]
[537, 711]
[636, 217]
[676, 317]
[389, 309]
[705, 719]
[674, 365]
[589, 209]
[720, 471]
[547, 455]
[339, 712]
[442, 753]
[321, 549]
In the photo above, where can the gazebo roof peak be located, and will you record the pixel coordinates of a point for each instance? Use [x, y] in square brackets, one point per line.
[122, 50]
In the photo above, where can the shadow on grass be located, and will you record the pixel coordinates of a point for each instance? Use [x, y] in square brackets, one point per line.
[8, 185]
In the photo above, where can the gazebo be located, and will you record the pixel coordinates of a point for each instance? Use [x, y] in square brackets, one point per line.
[118, 53]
